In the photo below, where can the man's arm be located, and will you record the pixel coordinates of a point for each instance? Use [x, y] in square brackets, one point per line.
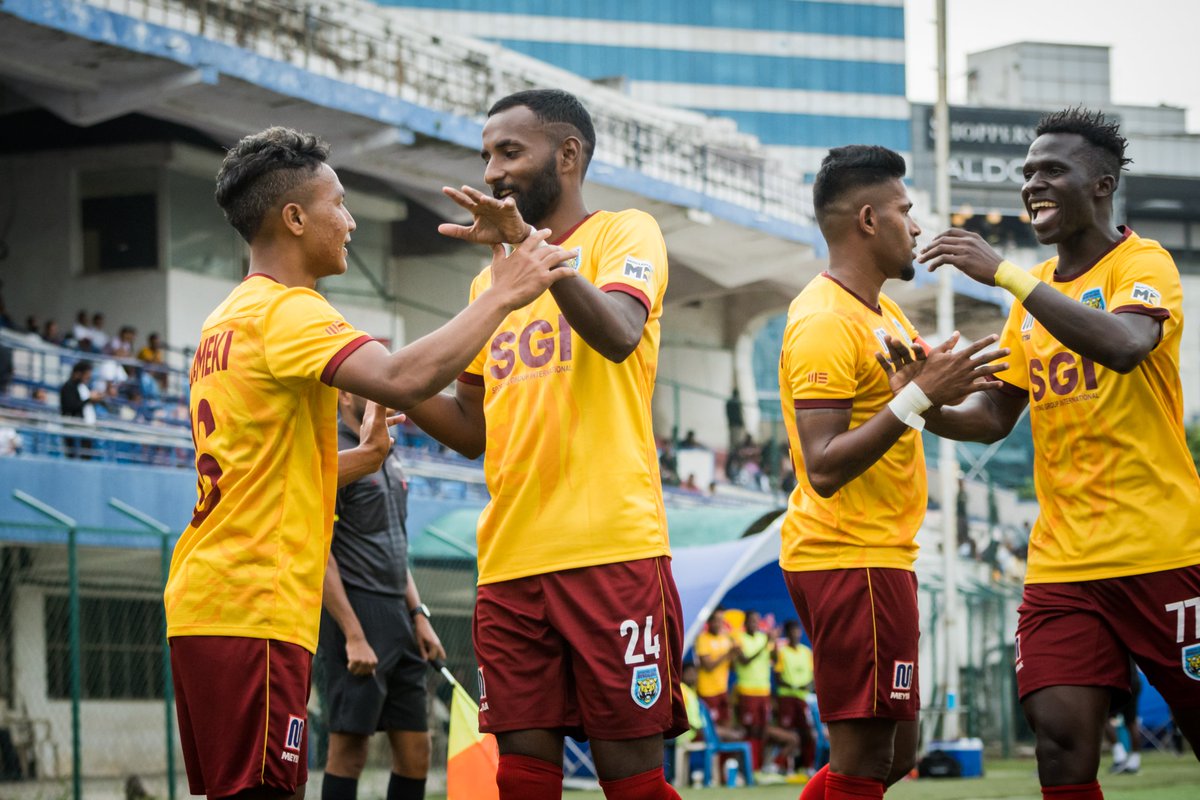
[428, 642]
[360, 656]
[456, 420]
[610, 322]
[983, 417]
[1117, 341]
[412, 374]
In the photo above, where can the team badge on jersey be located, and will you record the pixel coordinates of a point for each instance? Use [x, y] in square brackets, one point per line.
[1191, 661]
[575, 260]
[1094, 298]
[1146, 293]
[903, 333]
[646, 685]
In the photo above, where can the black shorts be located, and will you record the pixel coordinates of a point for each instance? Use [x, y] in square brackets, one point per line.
[394, 697]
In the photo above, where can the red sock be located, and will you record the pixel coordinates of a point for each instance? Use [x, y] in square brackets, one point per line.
[528, 778]
[650, 785]
[848, 787]
[815, 788]
[1080, 791]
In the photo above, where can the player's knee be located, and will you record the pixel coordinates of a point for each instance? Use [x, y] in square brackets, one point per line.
[347, 755]
[412, 756]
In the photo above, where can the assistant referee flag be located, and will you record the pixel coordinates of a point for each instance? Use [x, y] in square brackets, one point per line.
[472, 758]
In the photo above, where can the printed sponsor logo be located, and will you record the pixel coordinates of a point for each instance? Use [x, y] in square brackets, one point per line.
[903, 333]
[638, 270]
[535, 345]
[1027, 323]
[880, 333]
[1017, 653]
[483, 702]
[1146, 293]
[900, 696]
[1191, 661]
[295, 733]
[646, 686]
[1093, 298]
[902, 675]
[1061, 375]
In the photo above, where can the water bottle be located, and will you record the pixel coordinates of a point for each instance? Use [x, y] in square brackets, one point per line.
[732, 776]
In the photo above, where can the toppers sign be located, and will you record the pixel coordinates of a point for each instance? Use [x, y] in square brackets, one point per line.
[987, 145]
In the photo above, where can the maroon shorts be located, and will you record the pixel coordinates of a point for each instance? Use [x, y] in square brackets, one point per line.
[718, 708]
[595, 651]
[1081, 634]
[794, 713]
[242, 707]
[754, 711]
[865, 632]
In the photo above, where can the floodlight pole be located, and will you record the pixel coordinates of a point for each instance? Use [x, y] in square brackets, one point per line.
[947, 455]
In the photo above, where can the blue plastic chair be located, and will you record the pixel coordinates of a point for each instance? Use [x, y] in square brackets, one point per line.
[714, 748]
[822, 741]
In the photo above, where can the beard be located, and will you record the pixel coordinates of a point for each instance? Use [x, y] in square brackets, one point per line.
[537, 200]
[908, 272]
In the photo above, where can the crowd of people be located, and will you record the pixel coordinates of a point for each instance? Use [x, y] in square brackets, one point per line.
[755, 682]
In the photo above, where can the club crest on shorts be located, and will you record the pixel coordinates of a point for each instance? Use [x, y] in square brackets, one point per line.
[646, 685]
[1191, 661]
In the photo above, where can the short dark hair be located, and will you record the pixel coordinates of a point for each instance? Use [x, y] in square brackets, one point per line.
[554, 106]
[791, 625]
[263, 168]
[1107, 152]
[80, 367]
[851, 167]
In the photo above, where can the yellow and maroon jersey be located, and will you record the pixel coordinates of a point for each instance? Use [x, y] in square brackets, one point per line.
[715, 681]
[264, 421]
[1117, 488]
[571, 462]
[828, 361]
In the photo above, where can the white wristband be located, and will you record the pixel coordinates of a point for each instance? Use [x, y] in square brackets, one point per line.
[909, 405]
[508, 248]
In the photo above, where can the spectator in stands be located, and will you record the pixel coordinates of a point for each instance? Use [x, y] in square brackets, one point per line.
[81, 333]
[76, 399]
[5, 319]
[715, 651]
[690, 485]
[121, 345]
[10, 441]
[153, 351]
[98, 335]
[51, 332]
[6, 367]
[668, 465]
[735, 418]
[689, 442]
[753, 670]
[31, 325]
[793, 682]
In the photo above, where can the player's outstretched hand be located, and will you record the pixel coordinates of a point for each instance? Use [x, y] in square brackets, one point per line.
[947, 377]
[494, 221]
[902, 364]
[428, 643]
[360, 657]
[965, 250]
[522, 275]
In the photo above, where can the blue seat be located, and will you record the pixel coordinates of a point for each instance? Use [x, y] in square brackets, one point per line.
[714, 748]
[822, 741]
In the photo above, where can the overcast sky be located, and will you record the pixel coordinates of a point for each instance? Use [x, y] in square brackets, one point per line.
[1155, 56]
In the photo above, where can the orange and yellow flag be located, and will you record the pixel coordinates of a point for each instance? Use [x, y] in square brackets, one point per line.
[472, 757]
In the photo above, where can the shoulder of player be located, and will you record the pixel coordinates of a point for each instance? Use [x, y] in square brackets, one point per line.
[1135, 247]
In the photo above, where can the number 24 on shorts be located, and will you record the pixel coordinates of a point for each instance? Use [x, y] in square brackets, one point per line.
[650, 643]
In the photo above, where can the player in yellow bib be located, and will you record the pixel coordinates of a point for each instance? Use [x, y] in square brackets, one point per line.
[243, 597]
[577, 622]
[1113, 558]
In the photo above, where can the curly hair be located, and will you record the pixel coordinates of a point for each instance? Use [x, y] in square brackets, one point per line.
[261, 170]
[1107, 151]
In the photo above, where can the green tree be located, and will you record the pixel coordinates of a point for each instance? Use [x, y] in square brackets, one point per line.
[1193, 440]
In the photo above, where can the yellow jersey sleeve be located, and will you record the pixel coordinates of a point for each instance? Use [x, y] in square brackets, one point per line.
[305, 338]
[823, 376]
[1149, 284]
[634, 260]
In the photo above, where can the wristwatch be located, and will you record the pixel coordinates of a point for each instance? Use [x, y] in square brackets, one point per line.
[421, 609]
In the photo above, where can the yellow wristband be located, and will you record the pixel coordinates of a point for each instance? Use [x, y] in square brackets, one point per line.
[1015, 280]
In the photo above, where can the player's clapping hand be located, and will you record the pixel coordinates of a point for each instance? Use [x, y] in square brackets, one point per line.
[947, 377]
[522, 275]
[360, 657]
[902, 364]
[965, 250]
[374, 436]
[428, 643]
[494, 221]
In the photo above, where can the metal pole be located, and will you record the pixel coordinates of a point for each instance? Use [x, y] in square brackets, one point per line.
[947, 454]
[168, 685]
[1006, 704]
[76, 655]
